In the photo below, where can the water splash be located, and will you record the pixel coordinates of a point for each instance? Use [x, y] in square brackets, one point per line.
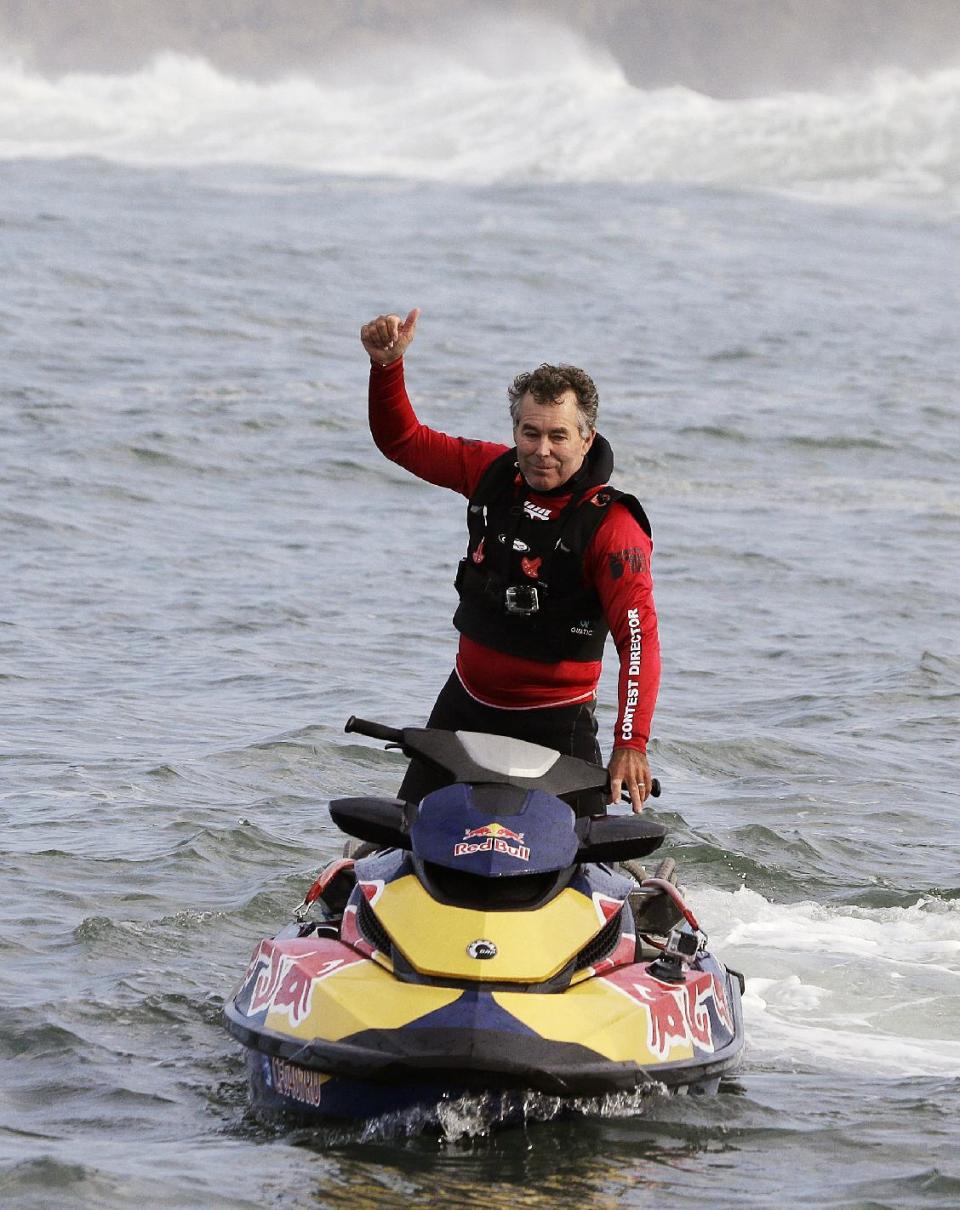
[861, 989]
[476, 1116]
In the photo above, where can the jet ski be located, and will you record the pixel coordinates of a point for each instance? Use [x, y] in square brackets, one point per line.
[490, 939]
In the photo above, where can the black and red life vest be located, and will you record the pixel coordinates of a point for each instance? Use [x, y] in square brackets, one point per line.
[521, 583]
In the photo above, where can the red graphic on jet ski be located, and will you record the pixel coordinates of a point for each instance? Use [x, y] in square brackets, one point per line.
[495, 837]
[678, 1013]
[285, 982]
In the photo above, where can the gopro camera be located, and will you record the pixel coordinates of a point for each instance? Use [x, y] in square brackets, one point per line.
[521, 599]
[683, 945]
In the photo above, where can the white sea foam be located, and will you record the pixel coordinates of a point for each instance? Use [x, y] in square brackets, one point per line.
[844, 987]
[474, 114]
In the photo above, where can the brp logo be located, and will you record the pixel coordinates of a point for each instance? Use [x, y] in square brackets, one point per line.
[482, 949]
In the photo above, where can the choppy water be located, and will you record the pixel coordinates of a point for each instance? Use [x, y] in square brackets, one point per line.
[207, 568]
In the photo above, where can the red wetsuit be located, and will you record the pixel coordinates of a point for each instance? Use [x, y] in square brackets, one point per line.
[616, 564]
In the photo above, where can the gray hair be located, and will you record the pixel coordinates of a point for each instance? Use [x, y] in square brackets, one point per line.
[547, 383]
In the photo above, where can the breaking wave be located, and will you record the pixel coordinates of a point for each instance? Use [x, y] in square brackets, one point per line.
[861, 989]
[474, 115]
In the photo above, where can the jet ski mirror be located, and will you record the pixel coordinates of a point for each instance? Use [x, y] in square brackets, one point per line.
[386, 822]
[618, 837]
[381, 821]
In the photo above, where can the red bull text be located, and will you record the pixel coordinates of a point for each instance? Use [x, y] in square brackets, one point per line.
[492, 837]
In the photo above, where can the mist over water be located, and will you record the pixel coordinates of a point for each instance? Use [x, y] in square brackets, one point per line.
[498, 98]
[740, 48]
[209, 567]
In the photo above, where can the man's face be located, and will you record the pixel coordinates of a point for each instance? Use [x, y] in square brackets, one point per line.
[549, 446]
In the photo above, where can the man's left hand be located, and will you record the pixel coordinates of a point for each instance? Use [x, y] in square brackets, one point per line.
[630, 770]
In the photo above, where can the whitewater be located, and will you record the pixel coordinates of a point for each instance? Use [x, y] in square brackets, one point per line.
[569, 116]
[197, 534]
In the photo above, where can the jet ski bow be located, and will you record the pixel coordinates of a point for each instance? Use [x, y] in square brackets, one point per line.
[489, 939]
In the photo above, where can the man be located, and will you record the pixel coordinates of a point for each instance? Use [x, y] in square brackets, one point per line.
[555, 558]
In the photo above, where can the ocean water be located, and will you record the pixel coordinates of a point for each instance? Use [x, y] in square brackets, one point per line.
[207, 567]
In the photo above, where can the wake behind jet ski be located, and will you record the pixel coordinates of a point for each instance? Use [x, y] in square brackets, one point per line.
[488, 943]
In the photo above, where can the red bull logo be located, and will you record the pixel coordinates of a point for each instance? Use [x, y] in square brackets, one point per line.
[494, 829]
[492, 837]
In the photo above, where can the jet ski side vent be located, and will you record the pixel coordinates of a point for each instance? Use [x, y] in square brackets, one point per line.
[602, 946]
[371, 930]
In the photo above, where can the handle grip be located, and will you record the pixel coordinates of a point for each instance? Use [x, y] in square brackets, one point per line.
[375, 730]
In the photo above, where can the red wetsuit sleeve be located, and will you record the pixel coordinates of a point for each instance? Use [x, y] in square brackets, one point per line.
[618, 563]
[452, 462]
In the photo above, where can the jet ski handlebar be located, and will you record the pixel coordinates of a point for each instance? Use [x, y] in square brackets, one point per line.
[494, 763]
[445, 750]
